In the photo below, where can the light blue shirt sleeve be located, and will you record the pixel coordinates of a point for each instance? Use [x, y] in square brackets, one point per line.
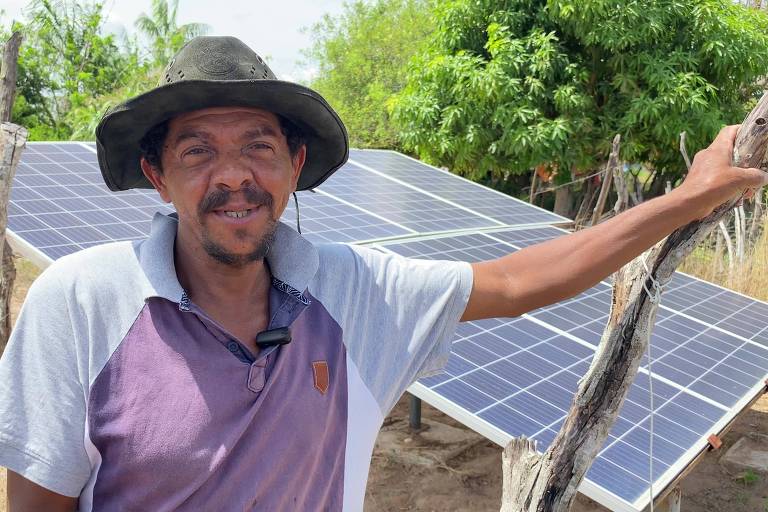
[42, 397]
[398, 315]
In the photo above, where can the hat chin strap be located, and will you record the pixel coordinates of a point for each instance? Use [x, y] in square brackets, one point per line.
[298, 220]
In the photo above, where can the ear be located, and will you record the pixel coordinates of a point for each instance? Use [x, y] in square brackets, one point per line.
[156, 178]
[298, 165]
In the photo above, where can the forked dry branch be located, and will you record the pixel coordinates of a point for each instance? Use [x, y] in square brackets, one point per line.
[548, 482]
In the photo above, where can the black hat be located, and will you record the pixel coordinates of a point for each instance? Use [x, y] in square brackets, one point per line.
[218, 72]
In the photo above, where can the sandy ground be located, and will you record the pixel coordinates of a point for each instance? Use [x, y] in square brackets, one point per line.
[447, 467]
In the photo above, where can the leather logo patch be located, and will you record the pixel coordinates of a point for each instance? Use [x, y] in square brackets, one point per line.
[215, 59]
[320, 369]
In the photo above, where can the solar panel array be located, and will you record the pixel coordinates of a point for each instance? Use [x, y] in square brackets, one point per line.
[60, 204]
[512, 377]
[506, 377]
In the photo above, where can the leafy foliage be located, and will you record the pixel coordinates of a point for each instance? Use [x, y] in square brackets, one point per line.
[64, 60]
[166, 35]
[507, 85]
[70, 72]
[362, 57]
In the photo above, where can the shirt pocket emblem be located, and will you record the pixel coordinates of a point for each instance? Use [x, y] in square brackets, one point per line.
[320, 370]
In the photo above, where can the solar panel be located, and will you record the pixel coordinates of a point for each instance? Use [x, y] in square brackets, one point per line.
[409, 207]
[506, 377]
[512, 377]
[60, 204]
[450, 187]
[326, 219]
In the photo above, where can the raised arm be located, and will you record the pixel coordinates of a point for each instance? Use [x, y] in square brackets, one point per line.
[557, 269]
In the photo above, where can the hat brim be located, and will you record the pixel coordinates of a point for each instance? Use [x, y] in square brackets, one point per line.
[121, 129]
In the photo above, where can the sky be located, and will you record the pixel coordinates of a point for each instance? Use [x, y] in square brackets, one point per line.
[272, 29]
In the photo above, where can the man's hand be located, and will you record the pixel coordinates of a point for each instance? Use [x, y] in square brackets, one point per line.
[557, 269]
[712, 179]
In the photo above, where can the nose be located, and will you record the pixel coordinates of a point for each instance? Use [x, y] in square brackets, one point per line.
[233, 172]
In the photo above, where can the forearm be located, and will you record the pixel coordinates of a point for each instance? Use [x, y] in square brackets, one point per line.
[561, 268]
[564, 267]
[24, 495]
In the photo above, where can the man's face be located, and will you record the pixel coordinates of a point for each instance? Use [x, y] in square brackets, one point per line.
[229, 173]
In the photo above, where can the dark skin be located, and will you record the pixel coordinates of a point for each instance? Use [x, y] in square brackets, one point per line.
[229, 148]
[27, 496]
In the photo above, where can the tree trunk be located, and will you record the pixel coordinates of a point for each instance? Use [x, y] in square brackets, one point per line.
[12, 141]
[610, 170]
[8, 76]
[622, 190]
[563, 200]
[548, 483]
[589, 194]
[8, 70]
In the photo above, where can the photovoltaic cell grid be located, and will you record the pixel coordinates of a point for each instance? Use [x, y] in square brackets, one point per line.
[512, 377]
[325, 219]
[461, 192]
[59, 203]
[410, 208]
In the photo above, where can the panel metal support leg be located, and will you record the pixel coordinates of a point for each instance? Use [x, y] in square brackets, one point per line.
[414, 419]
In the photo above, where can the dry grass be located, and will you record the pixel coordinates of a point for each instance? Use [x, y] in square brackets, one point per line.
[749, 277]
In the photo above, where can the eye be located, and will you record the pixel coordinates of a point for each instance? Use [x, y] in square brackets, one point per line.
[258, 146]
[196, 155]
[195, 151]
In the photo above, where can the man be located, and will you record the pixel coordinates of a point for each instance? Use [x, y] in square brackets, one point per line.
[135, 379]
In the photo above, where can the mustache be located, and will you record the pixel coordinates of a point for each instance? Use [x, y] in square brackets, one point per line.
[220, 197]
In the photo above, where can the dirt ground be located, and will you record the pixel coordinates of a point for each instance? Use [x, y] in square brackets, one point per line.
[446, 467]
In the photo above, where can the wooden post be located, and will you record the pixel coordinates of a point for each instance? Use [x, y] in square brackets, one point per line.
[12, 141]
[613, 162]
[11, 144]
[622, 190]
[8, 76]
[672, 502]
[533, 186]
[549, 482]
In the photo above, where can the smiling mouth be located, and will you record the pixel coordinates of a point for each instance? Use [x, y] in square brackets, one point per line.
[237, 214]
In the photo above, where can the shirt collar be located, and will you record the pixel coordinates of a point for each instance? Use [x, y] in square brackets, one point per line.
[292, 260]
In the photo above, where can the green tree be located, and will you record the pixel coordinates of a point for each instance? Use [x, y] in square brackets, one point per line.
[506, 85]
[362, 58]
[165, 35]
[65, 61]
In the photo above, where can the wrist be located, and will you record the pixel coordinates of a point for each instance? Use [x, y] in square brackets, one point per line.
[697, 202]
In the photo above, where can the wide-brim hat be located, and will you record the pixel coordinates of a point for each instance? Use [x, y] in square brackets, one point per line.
[218, 72]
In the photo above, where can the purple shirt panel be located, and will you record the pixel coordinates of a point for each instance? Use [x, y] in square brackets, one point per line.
[181, 423]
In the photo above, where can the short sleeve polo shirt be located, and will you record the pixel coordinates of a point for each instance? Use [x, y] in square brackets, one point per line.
[117, 389]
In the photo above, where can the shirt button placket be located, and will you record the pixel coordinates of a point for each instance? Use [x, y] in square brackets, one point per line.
[257, 375]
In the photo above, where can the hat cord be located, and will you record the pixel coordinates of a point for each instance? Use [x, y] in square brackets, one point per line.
[298, 221]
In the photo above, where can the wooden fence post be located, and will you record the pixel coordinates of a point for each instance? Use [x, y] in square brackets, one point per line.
[13, 137]
[549, 482]
[8, 76]
[613, 163]
[12, 140]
